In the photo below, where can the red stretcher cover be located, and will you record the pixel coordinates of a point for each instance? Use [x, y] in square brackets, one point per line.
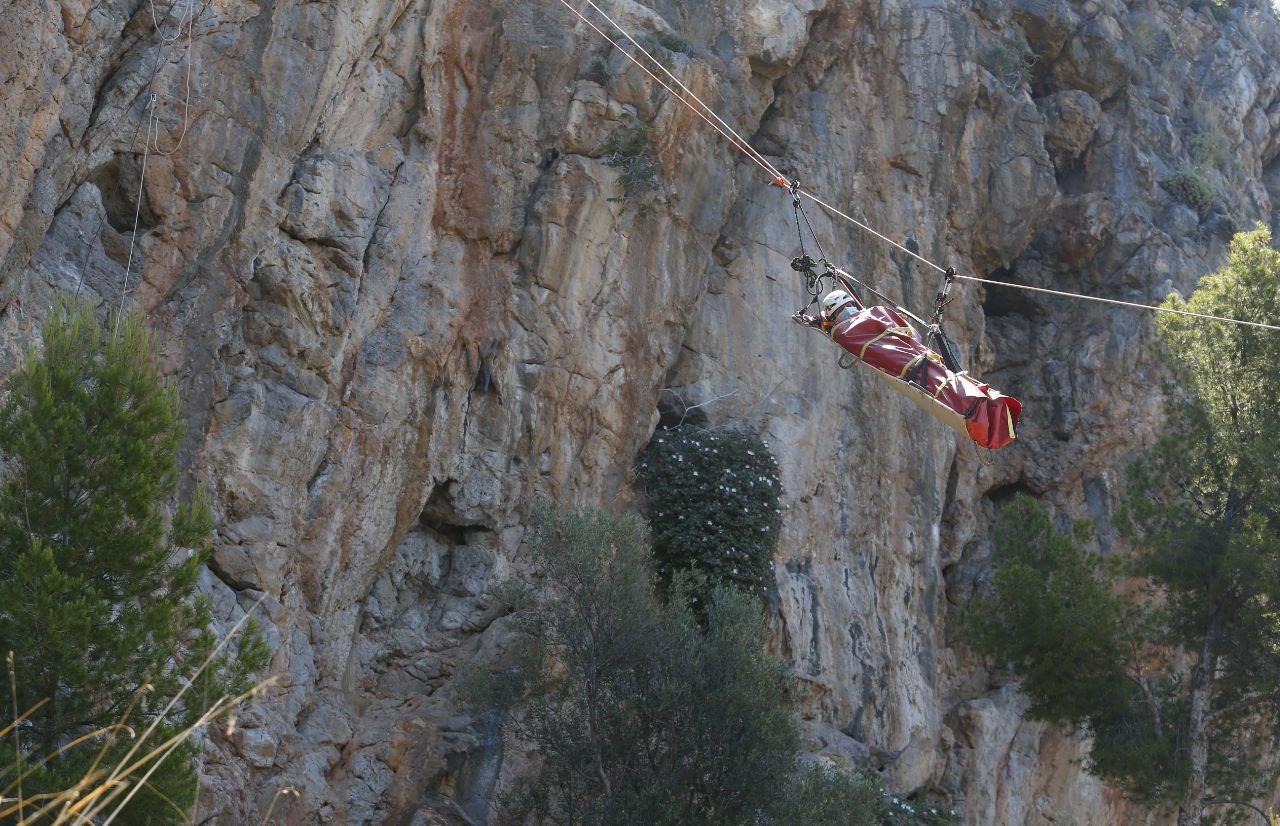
[882, 339]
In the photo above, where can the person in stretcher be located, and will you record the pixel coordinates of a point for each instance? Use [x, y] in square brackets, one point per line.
[881, 338]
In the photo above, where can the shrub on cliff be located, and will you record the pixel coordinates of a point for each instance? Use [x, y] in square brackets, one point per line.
[1191, 188]
[97, 579]
[713, 505]
[629, 150]
[641, 713]
[658, 714]
[1171, 687]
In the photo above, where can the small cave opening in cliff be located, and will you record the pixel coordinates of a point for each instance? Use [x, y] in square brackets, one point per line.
[1002, 495]
[485, 383]
[674, 411]
[119, 182]
[1006, 301]
[441, 516]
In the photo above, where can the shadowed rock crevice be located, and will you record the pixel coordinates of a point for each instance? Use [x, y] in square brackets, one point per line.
[1007, 301]
[118, 180]
[369, 192]
[441, 516]
[1004, 494]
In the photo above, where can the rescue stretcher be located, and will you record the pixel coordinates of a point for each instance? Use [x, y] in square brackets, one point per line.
[882, 339]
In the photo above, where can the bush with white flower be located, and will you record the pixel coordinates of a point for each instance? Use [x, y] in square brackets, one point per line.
[713, 504]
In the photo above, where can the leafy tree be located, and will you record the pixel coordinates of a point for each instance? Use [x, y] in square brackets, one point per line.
[97, 577]
[1171, 681]
[641, 714]
[1056, 617]
[644, 713]
[713, 502]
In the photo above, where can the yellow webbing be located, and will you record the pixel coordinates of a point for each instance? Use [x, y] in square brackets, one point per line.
[901, 331]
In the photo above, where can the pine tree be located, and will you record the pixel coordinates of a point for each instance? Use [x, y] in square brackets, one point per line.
[97, 575]
[1179, 683]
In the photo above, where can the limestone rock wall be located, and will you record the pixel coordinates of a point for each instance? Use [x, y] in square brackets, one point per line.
[403, 294]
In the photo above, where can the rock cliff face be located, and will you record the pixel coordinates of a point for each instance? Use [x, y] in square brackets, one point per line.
[403, 294]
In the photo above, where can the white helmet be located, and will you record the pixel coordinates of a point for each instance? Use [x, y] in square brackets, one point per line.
[833, 302]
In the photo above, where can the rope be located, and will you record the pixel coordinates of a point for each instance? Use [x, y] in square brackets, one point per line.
[866, 228]
[137, 210]
[155, 24]
[186, 98]
[740, 143]
[150, 141]
[763, 164]
[115, 190]
[1131, 304]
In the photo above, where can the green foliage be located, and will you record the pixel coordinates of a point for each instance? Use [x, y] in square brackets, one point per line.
[1170, 679]
[629, 149]
[826, 796]
[1013, 64]
[1209, 148]
[1050, 594]
[713, 504]
[1055, 616]
[1145, 37]
[1208, 144]
[641, 713]
[1204, 503]
[673, 42]
[1191, 188]
[97, 580]
[651, 713]
[597, 72]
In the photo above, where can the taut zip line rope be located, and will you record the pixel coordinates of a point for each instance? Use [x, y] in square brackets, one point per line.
[730, 136]
[738, 142]
[1120, 303]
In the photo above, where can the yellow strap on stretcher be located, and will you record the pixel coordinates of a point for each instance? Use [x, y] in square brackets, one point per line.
[887, 331]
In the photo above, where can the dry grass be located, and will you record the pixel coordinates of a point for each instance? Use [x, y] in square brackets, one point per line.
[103, 792]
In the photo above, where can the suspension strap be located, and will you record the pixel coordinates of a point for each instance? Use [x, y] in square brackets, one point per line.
[937, 339]
[805, 265]
[943, 297]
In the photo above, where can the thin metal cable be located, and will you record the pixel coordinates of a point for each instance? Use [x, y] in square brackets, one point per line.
[742, 142]
[763, 165]
[733, 138]
[1132, 304]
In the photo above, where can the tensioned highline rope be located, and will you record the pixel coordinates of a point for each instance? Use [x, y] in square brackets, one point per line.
[740, 143]
[1132, 304]
[759, 162]
[779, 178]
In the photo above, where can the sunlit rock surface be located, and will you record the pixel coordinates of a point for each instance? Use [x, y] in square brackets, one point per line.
[403, 294]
